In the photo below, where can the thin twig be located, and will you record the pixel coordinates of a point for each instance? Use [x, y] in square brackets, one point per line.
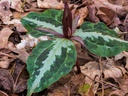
[77, 1]
[101, 72]
[3, 93]
[1, 53]
[123, 33]
[17, 78]
[99, 81]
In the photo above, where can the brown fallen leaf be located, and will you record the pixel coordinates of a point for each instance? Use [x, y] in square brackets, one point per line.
[123, 91]
[126, 27]
[110, 69]
[61, 91]
[4, 62]
[119, 9]
[125, 54]
[5, 12]
[22, 54]
[92, 13]
[14, 80]
[20, 76]
[5, 58]
[55, 4]
[92, 70]
[4, 35]
[18, 25]
[67, 85]
[122, 55]
[82, 12]
[16, 5]
[116, 2]
[119, 56]
[6, 80]
[105, 14]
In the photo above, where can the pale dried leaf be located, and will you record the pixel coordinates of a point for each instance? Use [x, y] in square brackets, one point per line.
[119, 56]
[4, 35]
[82, 12]
[18, 25]
[111, 70]
[123, 91]
[29, 42]
[50, 4]
[16, 5]
[22, 54]
[92, 70]
[5, 12]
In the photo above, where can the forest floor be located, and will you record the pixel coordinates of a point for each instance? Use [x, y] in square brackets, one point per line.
[109, 79]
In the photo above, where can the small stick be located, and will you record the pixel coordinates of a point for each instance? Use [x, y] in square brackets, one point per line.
[99, 81]
[101, 71]
[1, 53]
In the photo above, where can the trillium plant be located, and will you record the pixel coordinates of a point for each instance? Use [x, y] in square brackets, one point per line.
[54, 58]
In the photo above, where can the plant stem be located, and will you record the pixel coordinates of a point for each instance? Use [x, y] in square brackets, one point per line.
[78, 67]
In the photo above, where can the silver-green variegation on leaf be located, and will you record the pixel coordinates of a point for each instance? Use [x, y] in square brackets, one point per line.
[52, 59]
[49, 61]
[100, 40]
[50, 19]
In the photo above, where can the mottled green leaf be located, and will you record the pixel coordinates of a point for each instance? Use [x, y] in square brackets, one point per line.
[49, 61]
[102, 45]
[50, 19]
[98, 27]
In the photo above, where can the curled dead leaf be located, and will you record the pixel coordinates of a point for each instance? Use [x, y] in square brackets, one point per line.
[6, 80]
[18, 25]
[22, 54]
[92, 70]
[121, 55]
[111, 70]
[82, 12]
[4, 35]
[119, 9]
[105, 14]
